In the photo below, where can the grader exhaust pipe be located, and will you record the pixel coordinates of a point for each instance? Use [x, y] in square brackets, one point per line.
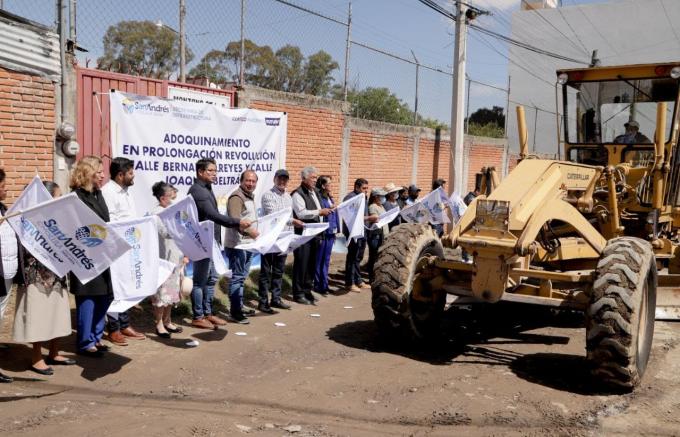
[523, 134]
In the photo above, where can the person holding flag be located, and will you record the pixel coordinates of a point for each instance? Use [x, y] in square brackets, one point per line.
[327, 238]
[357, 246]
[42, 310]
[375, 237]
[306, 208]
[205, 275]
[121, 207]
[94, 297]
[241, 204]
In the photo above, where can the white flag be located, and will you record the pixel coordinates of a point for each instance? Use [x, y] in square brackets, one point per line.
[220, 264]
[385, 218]
[34, 194]
[282, 243]
[181, 221]
[165, 269]
[307, 234]
[457, 205]
[351, 211]
[135, 274]
[269, 227]
[416, 213]
[434, 202]
[73, 236]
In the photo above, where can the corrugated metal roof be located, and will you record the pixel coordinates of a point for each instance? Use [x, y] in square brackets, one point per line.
[29, 48]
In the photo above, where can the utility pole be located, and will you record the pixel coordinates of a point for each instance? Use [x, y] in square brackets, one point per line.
[241, 59]
[415, 110]
[457, 181]
[348, 43]
[507, 110]
[467, 105]
[182, 41]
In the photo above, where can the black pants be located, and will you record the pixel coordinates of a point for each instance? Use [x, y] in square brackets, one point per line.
[355, 253]
[374, 242]
[304, 266]
[271, 277]
[122, 322]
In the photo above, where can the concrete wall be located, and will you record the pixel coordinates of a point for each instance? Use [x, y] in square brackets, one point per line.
[320, 133]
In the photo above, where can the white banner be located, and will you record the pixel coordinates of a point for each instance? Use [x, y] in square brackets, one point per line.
[416, 213]
[181, 221]
[351, 211]
[307, 234]
[34, 194]
[269, 227]
[165, 269]
[135, 274]
[385, 218]
[74, 237]
[165, 138]
[434, 202]
[457, 206]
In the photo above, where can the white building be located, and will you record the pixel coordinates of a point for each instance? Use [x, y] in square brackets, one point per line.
[622, 32]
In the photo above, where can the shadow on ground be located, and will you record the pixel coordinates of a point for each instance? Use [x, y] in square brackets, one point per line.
[480, 335]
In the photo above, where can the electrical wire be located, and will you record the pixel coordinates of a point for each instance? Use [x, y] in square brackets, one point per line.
[558, 30]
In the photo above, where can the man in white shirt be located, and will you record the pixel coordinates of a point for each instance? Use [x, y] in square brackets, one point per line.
[121, 207]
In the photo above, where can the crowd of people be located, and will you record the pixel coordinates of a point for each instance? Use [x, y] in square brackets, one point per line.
[42, 310]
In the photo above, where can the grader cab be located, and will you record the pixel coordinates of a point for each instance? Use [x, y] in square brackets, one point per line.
[597, 232]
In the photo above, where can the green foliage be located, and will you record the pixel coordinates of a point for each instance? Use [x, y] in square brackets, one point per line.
[490, 130]
[484, 116]
[287, 69]
[141, 48]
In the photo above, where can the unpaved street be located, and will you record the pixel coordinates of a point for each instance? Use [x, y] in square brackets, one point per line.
[515, 371]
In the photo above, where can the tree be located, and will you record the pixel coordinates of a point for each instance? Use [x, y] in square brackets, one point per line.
[484, 116]
[214, 66]
[141, 48]
[379, 104]
[287, 69]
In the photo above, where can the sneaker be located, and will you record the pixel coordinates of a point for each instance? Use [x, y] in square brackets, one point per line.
[302, 300]
[265, 309]
[240, 319]
[202, 324]
[279, 304]
[248, 311]
[364, 285]
[354, 288]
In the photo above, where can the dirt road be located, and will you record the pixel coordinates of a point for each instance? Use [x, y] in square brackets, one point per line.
[517, 372]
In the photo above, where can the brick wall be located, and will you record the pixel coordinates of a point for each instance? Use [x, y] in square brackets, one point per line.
[379, 152]
[27, 126]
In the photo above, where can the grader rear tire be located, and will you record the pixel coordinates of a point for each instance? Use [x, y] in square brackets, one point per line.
[620, 319]
[396, 313]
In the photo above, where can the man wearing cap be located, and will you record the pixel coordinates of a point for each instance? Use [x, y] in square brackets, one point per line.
[391, 202]
[356, 247]
[273, 264]
[413, 193]
[632, 135]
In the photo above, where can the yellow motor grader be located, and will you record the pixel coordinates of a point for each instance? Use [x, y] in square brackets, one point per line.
[597, 232]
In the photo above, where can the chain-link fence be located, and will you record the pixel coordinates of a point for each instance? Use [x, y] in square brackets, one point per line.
[291, 45]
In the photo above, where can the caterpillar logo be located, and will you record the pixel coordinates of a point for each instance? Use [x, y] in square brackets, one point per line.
[577, 177]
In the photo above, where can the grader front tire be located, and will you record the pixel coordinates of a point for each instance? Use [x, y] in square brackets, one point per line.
[396, 313]
[620, 319]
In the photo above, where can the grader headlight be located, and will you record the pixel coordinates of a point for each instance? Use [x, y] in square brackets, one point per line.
[492, 214]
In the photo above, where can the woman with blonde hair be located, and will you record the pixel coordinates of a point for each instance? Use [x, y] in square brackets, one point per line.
[92, 299]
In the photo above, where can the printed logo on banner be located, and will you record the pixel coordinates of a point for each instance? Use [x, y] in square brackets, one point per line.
[438, 208]
[133, 236]
[91, 235]
[132, 106]
[242, 119]
[182, 219]
[272, 121]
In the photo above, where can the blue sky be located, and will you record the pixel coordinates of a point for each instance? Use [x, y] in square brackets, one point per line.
[396, 26]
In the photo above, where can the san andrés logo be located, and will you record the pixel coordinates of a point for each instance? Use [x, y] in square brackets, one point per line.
[91, 235]
[130, 106]
[182, 220]
[133, 235]
[71, 245]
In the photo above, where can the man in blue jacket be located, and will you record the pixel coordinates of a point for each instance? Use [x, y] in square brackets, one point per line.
[205, 275]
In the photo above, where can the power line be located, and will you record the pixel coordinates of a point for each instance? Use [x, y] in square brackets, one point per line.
[573, 31]
[670, 23]
[309, 11]
[392, 55]
[555, 27]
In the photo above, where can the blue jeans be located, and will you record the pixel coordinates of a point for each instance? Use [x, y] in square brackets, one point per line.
[239, 263]
[204, 277]
[90, 319]
[323, 262]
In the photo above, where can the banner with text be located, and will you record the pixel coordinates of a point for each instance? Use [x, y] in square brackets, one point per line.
[165, 138]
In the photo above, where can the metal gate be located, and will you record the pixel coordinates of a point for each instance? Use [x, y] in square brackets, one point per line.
[93, 104]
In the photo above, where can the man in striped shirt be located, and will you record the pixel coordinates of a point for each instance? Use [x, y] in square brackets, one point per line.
[272, 264]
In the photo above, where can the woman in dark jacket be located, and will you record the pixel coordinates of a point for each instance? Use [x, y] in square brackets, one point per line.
[323, 257]
[92, 299]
